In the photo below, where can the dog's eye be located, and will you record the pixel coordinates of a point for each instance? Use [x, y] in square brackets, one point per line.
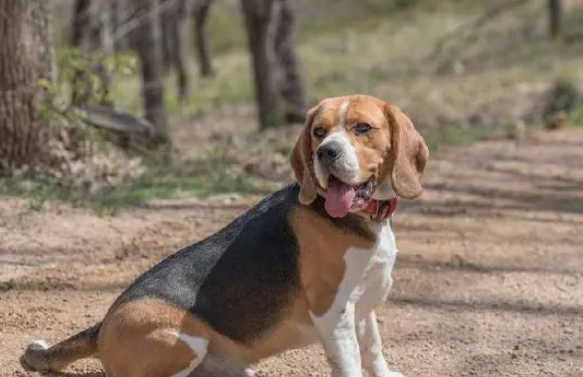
[362, 128]
[319, 132]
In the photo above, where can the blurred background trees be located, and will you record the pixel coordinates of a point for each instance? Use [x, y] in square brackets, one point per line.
[555, 16]
[153, 31]
[25, 58]
[178, 75]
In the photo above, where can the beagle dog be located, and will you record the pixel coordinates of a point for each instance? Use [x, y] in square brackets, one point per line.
[308, 264]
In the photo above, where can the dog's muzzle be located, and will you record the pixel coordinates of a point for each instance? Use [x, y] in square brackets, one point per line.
[329, 153]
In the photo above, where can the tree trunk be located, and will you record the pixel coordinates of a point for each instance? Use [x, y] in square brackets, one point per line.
[22, 137]
[80, 26]
[105, 48]
[149, 50]
[91, 33]
[166, 30]
[173, 44]
[200, 15]
[257, 14]
[80, 30]
[44, 41]
[119, 16]
[555, 16]
[290, 82]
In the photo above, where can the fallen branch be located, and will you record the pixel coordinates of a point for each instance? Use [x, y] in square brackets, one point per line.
[112, 119]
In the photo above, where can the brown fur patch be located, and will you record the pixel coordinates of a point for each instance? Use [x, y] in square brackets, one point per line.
[322, 248]
[137, 340]
[409, 154]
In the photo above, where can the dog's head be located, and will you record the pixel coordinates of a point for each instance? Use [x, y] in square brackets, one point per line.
[357, 148]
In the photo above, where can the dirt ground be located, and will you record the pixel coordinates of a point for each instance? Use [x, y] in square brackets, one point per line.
[489, 281]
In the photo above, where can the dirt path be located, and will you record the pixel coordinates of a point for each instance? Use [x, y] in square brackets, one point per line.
[489, 281]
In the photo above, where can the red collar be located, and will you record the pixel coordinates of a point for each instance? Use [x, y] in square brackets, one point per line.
[381, 210]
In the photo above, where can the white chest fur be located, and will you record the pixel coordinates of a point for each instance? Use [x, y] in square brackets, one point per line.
[367, 278]
[373, 282]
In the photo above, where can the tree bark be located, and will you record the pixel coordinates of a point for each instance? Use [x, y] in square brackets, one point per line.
[44, 41]
[80, 25]
[200, 16]
[22, 137]
[119, 16]
[173, 44]
[290, 84]
[555, 17]
[105, 49]
[91, 32]
[149, 50]
[257, 15]
[80, 33]
[166, 30]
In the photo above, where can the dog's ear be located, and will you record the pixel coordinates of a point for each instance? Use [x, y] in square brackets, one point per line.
[409, 153]
[302, 161]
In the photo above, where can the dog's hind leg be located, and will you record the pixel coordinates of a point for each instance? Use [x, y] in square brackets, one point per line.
[141, 351]
[152, 338]
[40, 357]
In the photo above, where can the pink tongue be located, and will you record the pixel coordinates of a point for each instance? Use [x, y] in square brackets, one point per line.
[339, 198]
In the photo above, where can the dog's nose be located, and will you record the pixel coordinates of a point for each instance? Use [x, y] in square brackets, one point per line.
[329, 152]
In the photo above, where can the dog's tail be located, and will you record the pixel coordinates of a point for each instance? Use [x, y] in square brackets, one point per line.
[38, 356]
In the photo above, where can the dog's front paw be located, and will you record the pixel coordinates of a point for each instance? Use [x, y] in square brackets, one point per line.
[386, 373]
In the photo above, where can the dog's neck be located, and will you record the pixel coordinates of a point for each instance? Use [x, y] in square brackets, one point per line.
[360, 223]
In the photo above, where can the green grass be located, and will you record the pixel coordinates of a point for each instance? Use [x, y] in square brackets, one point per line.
[208, 176]
[575, 117]
[453, 136]
[153, 185]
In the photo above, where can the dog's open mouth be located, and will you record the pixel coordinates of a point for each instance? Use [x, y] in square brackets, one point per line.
[342, 197]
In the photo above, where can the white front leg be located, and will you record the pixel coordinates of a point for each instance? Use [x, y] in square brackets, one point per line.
[371, 348]
[340, 342]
